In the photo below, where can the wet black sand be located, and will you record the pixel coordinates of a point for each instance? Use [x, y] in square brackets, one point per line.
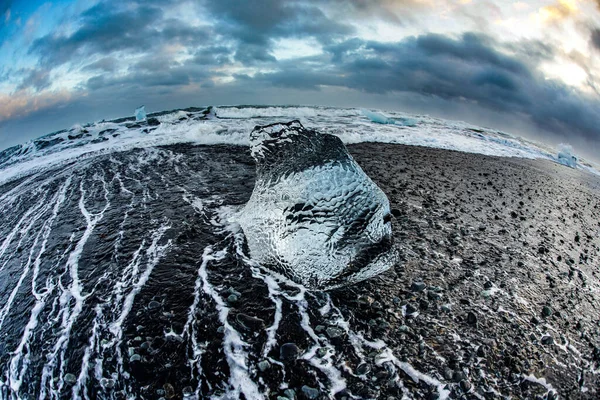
[497, 287]
[467, 222]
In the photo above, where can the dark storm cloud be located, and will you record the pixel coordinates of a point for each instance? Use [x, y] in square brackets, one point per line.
[107, 28]
[470, 68]
[253, 26]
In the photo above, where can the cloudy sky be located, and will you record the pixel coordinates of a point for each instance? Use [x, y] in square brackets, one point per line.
[528, 67]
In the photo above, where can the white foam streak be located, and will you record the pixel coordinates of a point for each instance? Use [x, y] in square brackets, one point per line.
[233, 345]
[417, 376]
[15, 374]
[74, 291]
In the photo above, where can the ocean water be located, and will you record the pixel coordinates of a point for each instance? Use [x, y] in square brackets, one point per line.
[124, 273]
[231, 125]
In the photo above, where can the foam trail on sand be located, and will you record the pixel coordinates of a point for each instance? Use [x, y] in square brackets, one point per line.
[233, 346]
[22, 352]
[74, 291]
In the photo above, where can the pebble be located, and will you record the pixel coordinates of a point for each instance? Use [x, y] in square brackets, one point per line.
[363, 369]
[547, 340]
[135, 358]
[232, 298]
[471, 318]
[107, 383]
[169, 390]
[465, 385]
[264, 365]
[289, 352]
[188, 391]
[290, 393]
[418, 286]
[334, 332]
[231, 290]
[70, 379]
[309, 392]
[153, 305]
[321, 352]
[546, 311]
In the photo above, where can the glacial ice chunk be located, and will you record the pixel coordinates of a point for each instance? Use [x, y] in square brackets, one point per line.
[378, 118]
[565, 155]
[140, 113]
[314, 215]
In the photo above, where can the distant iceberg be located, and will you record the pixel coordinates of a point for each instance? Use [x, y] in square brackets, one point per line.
[379, 118]
[566, 156]
[140, 113]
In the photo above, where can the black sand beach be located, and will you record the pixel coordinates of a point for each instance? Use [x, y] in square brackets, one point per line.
[495, 295]
[508, 253]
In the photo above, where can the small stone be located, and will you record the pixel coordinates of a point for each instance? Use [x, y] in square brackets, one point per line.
[107, 383]
[546, 311]
[322, 352]
[319, 328]
[471, 318]
[488, 285]
[137, 339]
[187, 391]
[547, 340]
[169, 390]
[231, 290]
[220, 329]
[363, 369]
[232, 298]
[418, 286]
[264, 365]
[70, 379]
[334, 332]
[135, 358]
[465, 385]
[290, 393]
[410, 309]
[481, 351]
[431, 295]
[289, 352]
[310, 393]
[153, 305]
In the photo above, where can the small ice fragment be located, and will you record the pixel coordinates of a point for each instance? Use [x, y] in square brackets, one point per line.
[566, 156]
[140, 113]
[377, 117]
[406, 122]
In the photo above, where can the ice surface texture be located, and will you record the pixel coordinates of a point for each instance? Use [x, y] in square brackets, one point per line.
[314, 215]
[565, 155]
[140, 113]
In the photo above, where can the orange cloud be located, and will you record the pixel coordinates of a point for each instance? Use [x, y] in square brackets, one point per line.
[559, 11]
[22, 102]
